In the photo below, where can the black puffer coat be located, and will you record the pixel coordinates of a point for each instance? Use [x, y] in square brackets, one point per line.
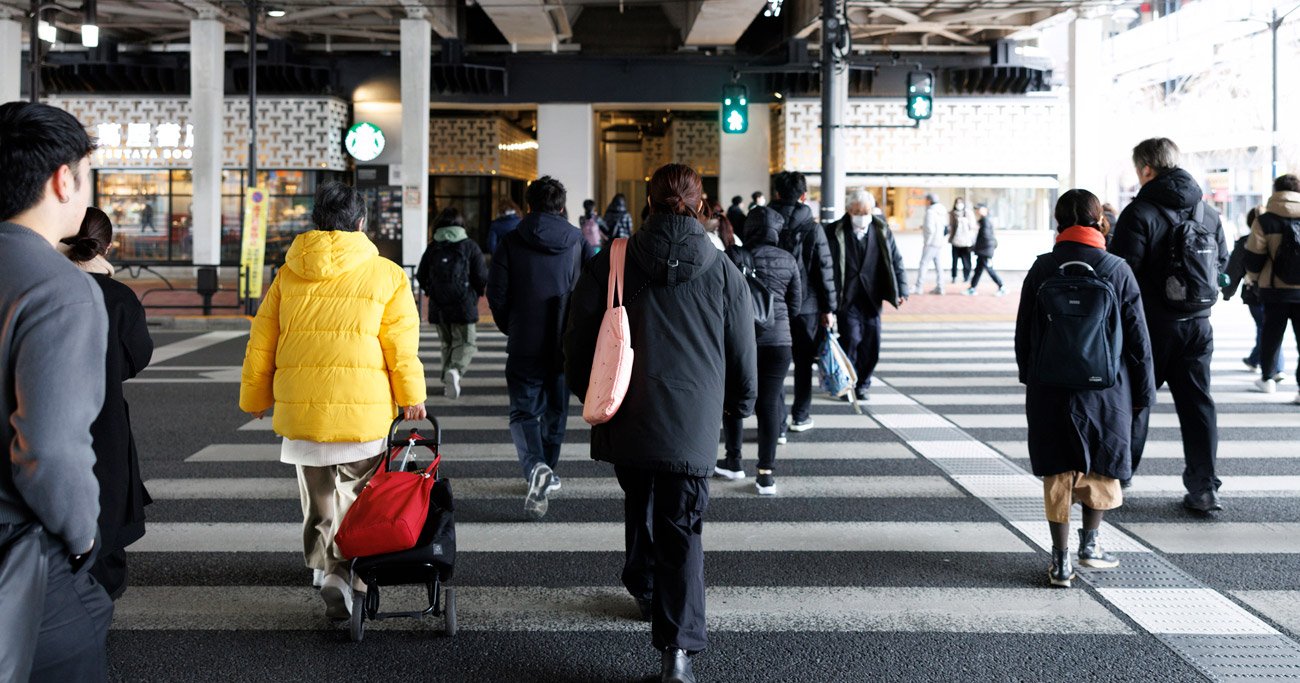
[1085, 431]
[819, 294]
[986, 243]
[692, 330]
[776, 268]
[445, 242]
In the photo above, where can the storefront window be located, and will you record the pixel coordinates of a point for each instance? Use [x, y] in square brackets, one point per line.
[138, 202]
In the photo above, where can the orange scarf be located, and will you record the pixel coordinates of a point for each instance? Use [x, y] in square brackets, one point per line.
[1082, 234]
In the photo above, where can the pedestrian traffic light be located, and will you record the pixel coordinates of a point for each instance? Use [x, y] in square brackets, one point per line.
[920, 95]
[735, 109]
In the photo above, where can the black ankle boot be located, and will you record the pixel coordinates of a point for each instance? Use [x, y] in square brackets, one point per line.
[1090, 552]
[676, 667]
[1061, 573]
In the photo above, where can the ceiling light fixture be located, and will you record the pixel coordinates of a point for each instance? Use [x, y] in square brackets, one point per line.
[90, 26]
[275, 13]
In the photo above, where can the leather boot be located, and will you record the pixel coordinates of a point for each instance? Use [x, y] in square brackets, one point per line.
[1090, 552]
[676, 667]
[1061, 573]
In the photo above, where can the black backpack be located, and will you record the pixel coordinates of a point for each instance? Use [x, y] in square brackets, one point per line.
[792, 239]
[1192, 269]
[449, 278]
[1286, 261]
[1077, 328]
[763, 299]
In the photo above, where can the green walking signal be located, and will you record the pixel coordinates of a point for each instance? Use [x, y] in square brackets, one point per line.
[735, 109]
[920, 95]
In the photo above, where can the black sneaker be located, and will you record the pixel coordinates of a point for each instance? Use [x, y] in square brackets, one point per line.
[803, 425]
[1090, 552]
[729, 468]
[643, 607]
[1061, 573]
[862, 394]
[1203, 501]
[765, 483]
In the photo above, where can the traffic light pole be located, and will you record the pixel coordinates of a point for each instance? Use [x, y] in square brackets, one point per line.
[832, 109]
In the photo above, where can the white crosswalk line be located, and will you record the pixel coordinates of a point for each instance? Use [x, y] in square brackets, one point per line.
[1158, 420]
[502, 422]
[1220, 537]
[504, 452]
[1173, 450]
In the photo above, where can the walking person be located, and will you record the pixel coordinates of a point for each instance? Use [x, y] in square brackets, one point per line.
[719, 228]
[618, 222]
[507, 220]
[985, 244]
[1273, 261]
[1250, 296]
[692, 330]
[736, 212]
[933, 231]
[453, 273]
[53, 347]
[122, 495]
[868, 270]
[334, 350]
[777, 270]
[1168, 214]
[592, 226]
[532, 275]
[1079, 437]
[963, 228]
[757, 199]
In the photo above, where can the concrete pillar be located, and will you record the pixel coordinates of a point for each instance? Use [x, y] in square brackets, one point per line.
[207, 109]
[1089, 91]
[417, 38]
[744, 167]
[11, 60]
[566, 142]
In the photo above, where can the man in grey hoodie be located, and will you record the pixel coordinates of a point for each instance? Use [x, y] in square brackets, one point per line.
[53, 341]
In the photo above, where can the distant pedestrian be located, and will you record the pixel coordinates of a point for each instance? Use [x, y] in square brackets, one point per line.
[507, 220]
[454, 275]
[718, 227]
[963, 229]
[693, 336]
[1250, 296]
[736, 213]
[757, 199]
[335, 350]
[1273, 261]
[146, 218]
[532, 276]
[52, 350]
[122, 495]
[618, 222]
[986, 243]
[592, 225]
[1110, 215]
[1079, 437]
[934, 230]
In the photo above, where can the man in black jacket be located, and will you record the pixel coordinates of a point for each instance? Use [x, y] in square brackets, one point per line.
[804, 238]
[1181, 342]
[533, 272]
[736, 213]
[868, 272]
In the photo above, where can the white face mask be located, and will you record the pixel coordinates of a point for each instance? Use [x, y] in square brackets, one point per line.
[762, 201]
[859, 222]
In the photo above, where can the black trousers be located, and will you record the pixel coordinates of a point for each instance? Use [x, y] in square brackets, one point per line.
[961, 255]
[984, 264]
[859, 324]
[1181, 351]
[664, 560]
[1276, 317]
[805, 332]
[773, 366]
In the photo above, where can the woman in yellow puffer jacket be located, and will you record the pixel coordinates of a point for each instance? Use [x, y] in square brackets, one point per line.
[334, 349]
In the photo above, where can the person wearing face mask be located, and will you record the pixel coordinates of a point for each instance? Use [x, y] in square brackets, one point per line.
[962, 230]
[868, 272]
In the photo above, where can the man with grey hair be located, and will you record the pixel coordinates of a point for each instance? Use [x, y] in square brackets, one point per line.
[1168, 218]
[933, 232]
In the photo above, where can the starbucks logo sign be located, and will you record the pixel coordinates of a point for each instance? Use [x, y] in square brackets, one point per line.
[365, 141]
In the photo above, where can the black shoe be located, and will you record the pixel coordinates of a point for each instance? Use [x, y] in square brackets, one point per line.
[729, 468]
[676, 667]
[1061, 573]
[643, 606]
[765, 483]
[1203, 501]
[862, 394]
[1090, 552]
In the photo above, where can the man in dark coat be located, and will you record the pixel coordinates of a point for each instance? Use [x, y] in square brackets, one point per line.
[868, 271]
[506, 221]
[532, 274]
[804, 238]
[736, 213]
[1182, 343]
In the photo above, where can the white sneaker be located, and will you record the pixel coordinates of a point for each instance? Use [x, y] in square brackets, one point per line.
[337, 595]
[317, 577]
[555, 484]
[539, 482]
[804, 426]
[452, 390]
[1265, 386]
[1002, 291]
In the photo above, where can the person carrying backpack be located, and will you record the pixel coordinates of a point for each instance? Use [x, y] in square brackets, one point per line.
[592, 226]
[1174, 243]
[1273, 262]
[1250, 297]
[1081, 397]
[453, 273]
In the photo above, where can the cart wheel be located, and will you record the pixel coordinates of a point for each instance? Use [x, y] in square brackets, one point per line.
[449, 612]
[358, 622]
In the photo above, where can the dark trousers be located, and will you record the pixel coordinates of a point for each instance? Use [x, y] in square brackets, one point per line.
[1273, 330]
[664, 560]
[1181, 351]
[539, 411]
[773, 366]
[961, 255]
[110, 572]
[859, 324]
[984, 264]
[1257, 312]
[805, 332]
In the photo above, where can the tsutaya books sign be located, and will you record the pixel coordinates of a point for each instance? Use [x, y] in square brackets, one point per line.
[144, 142]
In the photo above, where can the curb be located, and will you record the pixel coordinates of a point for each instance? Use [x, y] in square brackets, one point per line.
[199, 323]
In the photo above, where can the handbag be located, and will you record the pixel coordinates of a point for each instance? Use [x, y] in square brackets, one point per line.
[762, 298]
[389, 514]
[838, 377]
[611, 365]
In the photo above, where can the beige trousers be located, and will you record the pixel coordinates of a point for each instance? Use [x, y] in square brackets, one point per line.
[1062, 491]
[327, 493]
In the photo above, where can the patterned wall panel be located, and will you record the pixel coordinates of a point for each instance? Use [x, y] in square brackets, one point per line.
[657, 151]
[291, 133]
[698, 144]
[481, 146]
[776, 158]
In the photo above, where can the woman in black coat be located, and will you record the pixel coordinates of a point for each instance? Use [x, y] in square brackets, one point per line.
[122, 495]
[1079, 439]
[985, 244]
[692, 329]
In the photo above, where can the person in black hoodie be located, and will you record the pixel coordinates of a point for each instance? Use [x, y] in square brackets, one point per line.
[804, 238]
[692, 328]
[778, 271]
[736, 212]
[618, 222]
[533, 272]
[454, 275]
[1181, 342]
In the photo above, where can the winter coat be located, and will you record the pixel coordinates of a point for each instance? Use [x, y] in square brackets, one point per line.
[886, 279]
[618, 222]
[736, 216]
[962, 228]
[334, 347]
[593, 229]
[1142, 238]
[500, 227]
[985, 241]
[777, 270]
[445, 241]
[692, 327]
[1085, 431]
[122, 495]
[532, 275]
[1237, 276]
[819, 293]
[935, 226]
[1266, 237]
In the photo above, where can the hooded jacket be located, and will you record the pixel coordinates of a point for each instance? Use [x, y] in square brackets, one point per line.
[1142, 238]
[819, 293]
[1266, 235]
[334, 347]
[618, 222]
[692, 327]
[449, 239]
[777, 270]
[962, 228]
[935, 227]
[885, 280]
[500, 227]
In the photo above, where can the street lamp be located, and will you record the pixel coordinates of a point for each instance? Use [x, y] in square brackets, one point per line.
[1274, 23]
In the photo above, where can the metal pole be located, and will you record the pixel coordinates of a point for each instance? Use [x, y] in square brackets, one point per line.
[250, 303]
[1274, 26]
[831, 114]
[34, 54]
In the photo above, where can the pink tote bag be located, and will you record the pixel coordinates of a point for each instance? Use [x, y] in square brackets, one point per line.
[611, 368]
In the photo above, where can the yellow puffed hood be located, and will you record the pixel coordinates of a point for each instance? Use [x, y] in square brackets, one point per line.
[327, 254]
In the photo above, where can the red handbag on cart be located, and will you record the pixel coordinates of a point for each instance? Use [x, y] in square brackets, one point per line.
[391, 511]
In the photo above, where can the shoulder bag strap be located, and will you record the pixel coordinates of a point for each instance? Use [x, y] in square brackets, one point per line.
[617, 258]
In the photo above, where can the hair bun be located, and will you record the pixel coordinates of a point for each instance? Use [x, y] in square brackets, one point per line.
[82, 249]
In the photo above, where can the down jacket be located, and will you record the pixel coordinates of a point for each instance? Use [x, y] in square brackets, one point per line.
[335, 345]
[1261, 248]
[692, 328]
[776, 268]
[819, 293]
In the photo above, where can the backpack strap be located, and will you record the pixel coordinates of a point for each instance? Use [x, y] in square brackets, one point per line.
[617, 260]
[1108, 265]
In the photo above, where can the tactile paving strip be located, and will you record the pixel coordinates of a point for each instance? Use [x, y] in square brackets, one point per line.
[1138, 570]
[1238, 659]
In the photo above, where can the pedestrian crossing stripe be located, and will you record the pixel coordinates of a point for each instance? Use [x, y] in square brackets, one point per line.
[505, 452]
[575, 422]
